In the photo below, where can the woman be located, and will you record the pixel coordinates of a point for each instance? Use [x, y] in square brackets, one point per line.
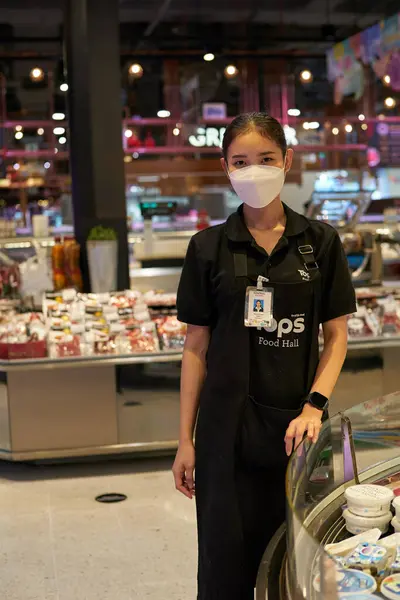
[254, 381]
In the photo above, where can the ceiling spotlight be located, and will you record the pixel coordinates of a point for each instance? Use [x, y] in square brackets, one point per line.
[335, 131]
[36, 74]
[16, 166]
[387, 79]
[64, 87]
[176, 131]
[58, 116]
[361, 117]
[313, 125]
[349, 128]
[62, 140]
[208, 57]
[19, 135]
[58, 130]
[293, 112]
[135, 155]
[40, 131]
[381, 117]
[128, 133]
[136, 70]
[390, 102]
[306, 76]
[306, 125]
[231, 71]
[364, 126]
[18, 128]
[163, 114]
[47, 165]
[127, 159]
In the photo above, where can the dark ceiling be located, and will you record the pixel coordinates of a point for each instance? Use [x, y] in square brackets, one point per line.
[267, 26]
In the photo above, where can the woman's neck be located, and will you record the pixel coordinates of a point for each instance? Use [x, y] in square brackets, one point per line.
[265, 218]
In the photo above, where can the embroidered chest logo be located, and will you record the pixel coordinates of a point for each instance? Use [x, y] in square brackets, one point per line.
[304, 275]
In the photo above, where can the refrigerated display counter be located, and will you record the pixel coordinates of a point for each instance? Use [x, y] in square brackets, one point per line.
[53, 408]
[360, 445]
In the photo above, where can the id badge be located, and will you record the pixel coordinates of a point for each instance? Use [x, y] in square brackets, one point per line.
[259, 307]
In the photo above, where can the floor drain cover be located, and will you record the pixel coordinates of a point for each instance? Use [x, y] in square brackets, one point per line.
[111, 498]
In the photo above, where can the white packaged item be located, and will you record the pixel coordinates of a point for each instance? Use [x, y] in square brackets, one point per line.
[369, 500]
[396, 525]
[396, 506]
[40, 226]
[356, 524]
[390, 587]
[391, 542]
[346, 546]
[350, 582]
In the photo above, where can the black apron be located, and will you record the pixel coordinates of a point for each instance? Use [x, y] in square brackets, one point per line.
[239, 494]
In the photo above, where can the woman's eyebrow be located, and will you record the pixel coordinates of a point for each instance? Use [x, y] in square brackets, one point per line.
[266, 153]
[239, 156]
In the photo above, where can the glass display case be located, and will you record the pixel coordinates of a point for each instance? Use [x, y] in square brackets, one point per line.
[360, 445]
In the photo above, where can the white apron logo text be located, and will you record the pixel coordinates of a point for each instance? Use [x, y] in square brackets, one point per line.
[283, 327]
[304, 275]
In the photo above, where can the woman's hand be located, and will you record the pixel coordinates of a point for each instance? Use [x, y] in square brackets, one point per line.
[183, 469]
[309, 421]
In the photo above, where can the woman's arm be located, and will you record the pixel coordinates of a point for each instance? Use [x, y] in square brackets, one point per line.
[328, 371]
[332, 357]
[192, 379]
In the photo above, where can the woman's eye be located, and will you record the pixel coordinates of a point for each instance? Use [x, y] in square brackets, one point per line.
[266, 159]
[239, 164]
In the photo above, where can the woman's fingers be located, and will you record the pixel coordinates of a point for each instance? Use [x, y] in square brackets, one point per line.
[181, 482]
[295, 433]
[189, 479]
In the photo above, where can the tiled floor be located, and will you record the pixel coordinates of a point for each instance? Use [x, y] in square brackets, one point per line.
[58, 543]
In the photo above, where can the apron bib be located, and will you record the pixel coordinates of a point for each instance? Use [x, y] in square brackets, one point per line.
[261, 435]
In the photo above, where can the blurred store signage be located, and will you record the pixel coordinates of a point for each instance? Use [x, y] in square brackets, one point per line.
[214, 110]
[207, 137]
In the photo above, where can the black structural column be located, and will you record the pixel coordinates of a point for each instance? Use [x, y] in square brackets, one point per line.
[95, 120]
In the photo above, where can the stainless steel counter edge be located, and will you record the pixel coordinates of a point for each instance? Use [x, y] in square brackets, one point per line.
[88, 361]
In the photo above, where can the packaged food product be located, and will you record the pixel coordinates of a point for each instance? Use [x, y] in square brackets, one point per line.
[358, 596]
[390, 587]
[396, 525]
[172, 333]
[356, 524]
[394, 566]
[396, 506]
[368, 556]
[391, 541]
[344, 547]
[369, 500]
[350, 582]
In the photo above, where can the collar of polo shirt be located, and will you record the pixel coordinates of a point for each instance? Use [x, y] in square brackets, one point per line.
[237, 231]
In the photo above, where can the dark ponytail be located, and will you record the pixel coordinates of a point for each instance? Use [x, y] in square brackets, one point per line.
[261, 122]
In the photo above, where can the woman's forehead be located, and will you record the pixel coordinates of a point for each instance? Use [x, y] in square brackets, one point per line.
[252, 142]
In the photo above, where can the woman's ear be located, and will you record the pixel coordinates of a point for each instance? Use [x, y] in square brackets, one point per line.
[288, 159]
[223, 164]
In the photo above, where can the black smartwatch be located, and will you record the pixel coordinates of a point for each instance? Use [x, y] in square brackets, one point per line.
[317, 400]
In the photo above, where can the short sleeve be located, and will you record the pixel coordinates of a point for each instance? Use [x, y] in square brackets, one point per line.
[338, 296]
[193, 301]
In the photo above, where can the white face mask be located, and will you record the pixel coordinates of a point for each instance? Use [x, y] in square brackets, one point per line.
[258, 185]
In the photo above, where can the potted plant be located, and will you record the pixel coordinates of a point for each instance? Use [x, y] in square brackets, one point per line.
[102, 249]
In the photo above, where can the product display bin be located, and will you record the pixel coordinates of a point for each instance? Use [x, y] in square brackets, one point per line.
[360, 445]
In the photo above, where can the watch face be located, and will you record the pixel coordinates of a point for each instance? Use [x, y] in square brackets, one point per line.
[318, 400]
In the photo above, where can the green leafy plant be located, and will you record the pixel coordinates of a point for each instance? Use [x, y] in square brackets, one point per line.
[102, 234]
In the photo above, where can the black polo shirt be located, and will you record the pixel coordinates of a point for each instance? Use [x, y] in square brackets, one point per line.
[206, 265]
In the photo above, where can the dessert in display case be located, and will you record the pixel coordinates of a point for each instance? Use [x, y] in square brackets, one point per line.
[343, 528]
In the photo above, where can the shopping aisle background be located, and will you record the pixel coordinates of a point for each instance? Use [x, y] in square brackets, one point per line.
[58, 543]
